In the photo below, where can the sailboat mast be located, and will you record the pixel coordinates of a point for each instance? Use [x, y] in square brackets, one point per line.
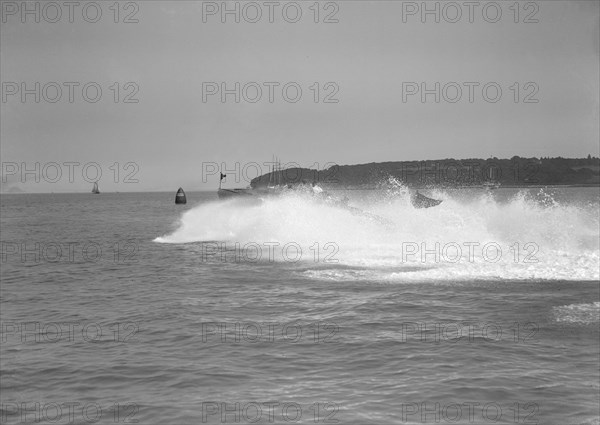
[271, 173]
[275, 177]
[279, 168]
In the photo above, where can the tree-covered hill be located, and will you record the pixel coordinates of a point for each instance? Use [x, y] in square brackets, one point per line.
[448, 172]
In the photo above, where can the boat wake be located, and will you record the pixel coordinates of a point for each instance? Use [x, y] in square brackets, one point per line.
[471, 235]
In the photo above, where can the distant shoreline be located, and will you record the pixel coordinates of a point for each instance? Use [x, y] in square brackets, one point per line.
[447, 173]
[533, 186]
[453, 174]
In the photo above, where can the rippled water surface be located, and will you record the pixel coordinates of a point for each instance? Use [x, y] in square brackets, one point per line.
[295, 310]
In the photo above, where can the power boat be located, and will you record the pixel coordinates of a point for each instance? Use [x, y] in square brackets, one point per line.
[234, 193]
[247, 194]
[491, 185]
[274, 187]
[421, 201]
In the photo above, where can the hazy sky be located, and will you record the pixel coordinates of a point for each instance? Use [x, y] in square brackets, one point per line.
[375, 53]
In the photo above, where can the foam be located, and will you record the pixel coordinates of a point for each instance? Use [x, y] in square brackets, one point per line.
[556, 240]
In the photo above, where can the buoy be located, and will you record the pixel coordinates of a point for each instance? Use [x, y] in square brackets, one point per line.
[180, 197]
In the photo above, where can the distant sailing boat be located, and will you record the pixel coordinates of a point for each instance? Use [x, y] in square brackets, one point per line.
[275, 175]
[95, 188]
[492, 181]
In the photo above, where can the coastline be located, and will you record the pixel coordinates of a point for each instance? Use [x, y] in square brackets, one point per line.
[333, 188]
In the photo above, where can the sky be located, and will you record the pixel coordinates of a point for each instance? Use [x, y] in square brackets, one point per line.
[511, 78]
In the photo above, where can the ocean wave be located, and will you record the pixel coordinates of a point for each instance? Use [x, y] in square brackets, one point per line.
[585, 314]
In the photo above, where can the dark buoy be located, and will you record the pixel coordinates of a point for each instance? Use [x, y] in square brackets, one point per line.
[180, 197]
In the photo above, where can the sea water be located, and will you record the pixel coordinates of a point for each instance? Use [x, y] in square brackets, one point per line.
[125, 307]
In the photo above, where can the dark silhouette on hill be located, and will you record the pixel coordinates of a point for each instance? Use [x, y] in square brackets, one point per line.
[514, 172]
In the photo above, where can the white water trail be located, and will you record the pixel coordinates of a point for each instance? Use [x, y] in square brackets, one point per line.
[466, 237]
